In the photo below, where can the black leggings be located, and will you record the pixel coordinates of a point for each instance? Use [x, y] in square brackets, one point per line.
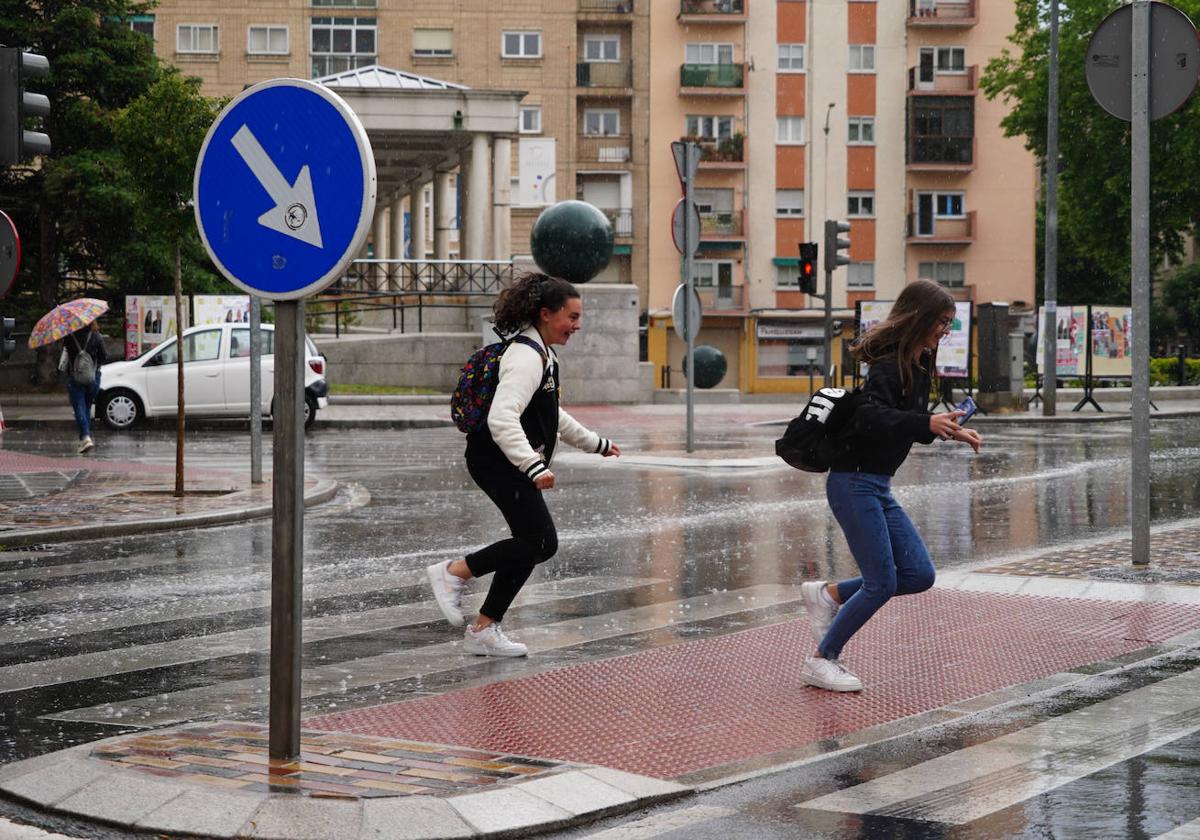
[534, 539]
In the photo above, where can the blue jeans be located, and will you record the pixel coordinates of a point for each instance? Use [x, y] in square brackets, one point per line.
[82, 399]
[891, 557]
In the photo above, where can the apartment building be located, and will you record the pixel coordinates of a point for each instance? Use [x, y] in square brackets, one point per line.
[581, 63]
[808, 110]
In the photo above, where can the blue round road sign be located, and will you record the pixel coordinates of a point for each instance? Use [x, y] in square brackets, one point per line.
[284, 190]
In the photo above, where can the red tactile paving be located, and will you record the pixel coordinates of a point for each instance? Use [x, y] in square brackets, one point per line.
[685, 707]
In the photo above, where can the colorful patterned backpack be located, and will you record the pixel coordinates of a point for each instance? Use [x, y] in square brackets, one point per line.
[472, 396]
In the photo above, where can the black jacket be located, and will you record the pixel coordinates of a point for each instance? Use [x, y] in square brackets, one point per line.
[539, 421]
[91, 342]
[888, 422]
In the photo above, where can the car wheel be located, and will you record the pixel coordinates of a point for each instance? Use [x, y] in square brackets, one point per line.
[121, 410]
[310, 410]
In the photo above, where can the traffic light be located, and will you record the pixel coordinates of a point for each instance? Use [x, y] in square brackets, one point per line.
[7, 343]
[834, 244]
[808, 267]
[18, 104]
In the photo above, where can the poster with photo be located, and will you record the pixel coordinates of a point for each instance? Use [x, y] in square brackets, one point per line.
[149, 321]
[221, 309]
[1112, 336]
[1070, 338]
[954, 352]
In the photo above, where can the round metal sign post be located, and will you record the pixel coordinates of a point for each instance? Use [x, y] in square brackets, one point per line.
[1141, 64]
[687, 321]
[10, 254]
[284, 194]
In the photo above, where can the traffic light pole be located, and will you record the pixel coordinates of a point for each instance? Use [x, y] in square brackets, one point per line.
[828, 326]
[693, 152]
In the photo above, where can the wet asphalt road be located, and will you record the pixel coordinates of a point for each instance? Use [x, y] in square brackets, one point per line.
[78, 618]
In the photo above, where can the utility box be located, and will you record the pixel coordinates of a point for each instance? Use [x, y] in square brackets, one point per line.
[992, 347]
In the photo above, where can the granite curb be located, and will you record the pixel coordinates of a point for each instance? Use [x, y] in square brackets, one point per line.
[72, 783]
[322, 491]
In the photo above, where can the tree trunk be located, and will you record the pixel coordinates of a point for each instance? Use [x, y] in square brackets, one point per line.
[179, 419]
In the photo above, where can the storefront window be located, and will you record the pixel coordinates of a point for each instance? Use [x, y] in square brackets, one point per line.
[789, 349]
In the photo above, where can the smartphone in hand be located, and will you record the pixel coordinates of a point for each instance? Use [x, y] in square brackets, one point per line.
[967, 405]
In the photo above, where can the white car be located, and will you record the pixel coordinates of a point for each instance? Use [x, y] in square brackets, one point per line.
[216, 378]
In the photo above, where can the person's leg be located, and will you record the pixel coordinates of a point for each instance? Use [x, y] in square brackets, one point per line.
[914, 569]
[78, 397]
[856, 501]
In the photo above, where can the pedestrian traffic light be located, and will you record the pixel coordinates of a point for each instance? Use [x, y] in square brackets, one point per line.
[834, 244]
[7, 343]
[18, 104]
[808, 267]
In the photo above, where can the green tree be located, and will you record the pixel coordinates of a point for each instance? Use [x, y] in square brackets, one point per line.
[1181, 294]
[1094, 190]
[160, 135]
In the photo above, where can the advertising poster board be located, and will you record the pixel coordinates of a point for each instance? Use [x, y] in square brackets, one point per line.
[954, 352]
[537, 162]
[1070, 338]
[221, 309]
[1112, 341]
[149, 321]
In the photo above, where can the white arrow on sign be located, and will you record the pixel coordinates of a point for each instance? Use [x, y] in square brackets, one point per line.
[295, 210]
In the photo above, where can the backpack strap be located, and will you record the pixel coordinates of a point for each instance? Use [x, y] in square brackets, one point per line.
[529, 342]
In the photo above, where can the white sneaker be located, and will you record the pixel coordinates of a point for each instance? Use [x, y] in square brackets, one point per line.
[447, 591]
[820, 613]
[829, 674]
[491, 641]
[86, 444]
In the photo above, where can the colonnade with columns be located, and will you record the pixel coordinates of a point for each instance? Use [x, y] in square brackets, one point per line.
[485, 171]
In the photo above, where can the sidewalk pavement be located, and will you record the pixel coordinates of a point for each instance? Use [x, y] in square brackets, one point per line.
[571, 744]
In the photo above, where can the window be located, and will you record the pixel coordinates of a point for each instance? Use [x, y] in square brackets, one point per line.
[787, 276]
[711, 202]
[860, 204]
[531, 119]
[789, 130]
[709, 273]
[601, 48]
[861, 131]
[433, 43]
[951, 274]
[143, 24]
[341, 44]
[948, 205]
[196, 38]
[203, 346]
[862, 58]
[346, 3]
[708, 54]
[951, 60]
[860, 275]
[267, 40]
[711, 128]
[789, 203]
[791, 58]
[521, 44]
[597, 122]
[941, 129]
[239, 347]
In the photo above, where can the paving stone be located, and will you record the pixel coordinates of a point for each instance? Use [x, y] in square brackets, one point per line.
[204, 812]
[641, 787]
[119, 797]
[412, 818]
[507, 809]
[300, 818]
[577, 792]
[55, 781]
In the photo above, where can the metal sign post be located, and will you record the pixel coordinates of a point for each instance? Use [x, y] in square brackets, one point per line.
[284, 194]
[1142, 64]
[1050, 319]
[687, 239]
[255, 390]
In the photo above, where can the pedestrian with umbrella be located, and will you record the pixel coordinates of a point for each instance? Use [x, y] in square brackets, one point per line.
[75, 322]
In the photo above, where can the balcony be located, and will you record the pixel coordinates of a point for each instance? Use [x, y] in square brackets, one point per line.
[621, 219]
[942, 13]
[712, 79]
[712, 11]
[944, 84]
[941, 154]
[722, 298]
[608, 148]
[924, 229]
[605, 8]
[604, 74]
[721, 226]
[726, 153]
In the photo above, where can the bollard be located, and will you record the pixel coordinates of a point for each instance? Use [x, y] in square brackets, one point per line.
[1180, 373]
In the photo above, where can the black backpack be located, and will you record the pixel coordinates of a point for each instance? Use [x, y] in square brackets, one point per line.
[810, 441]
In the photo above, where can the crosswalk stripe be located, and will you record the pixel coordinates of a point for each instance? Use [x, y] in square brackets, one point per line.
[659, 824]
[198, 648]
[1187, 831]
[227, 697]
[971, 783]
